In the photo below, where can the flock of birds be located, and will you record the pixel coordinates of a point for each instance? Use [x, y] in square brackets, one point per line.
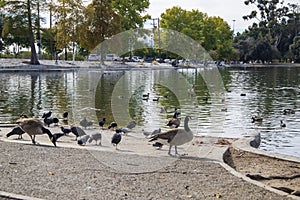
[34, 126]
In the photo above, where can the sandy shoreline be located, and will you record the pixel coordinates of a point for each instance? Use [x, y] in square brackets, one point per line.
[135, 171]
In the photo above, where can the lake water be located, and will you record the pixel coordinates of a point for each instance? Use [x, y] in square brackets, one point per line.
[211, 97]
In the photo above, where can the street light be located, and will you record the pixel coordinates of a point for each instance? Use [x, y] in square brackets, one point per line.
[56, 43]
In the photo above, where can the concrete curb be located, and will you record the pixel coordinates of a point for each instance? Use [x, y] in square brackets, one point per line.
[16, 196]
[250, 143]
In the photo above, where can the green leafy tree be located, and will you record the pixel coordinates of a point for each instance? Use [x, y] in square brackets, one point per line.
[295, 49]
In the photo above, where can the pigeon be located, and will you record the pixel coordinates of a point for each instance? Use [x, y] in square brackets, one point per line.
[96, 137]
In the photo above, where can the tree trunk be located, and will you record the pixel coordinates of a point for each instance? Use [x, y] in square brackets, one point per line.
[34, 59]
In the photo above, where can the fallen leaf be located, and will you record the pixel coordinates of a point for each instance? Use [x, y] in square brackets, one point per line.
[51, 173]
[218, 195]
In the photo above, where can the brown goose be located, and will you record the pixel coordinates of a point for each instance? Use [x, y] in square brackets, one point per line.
[175, 137]
[33, 127]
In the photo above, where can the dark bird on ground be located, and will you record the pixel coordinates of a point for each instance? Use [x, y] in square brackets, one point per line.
[49, 121]
[174, 137]
[113, 125]
[47, 115]
[85, 123]
[101, 123]
[256, 119]
[77, 131]
[58, 135]
[116, 139]
[282, 124]
[96, 137]
[16, 131]
[65, 115]
[288, 111]
[158, 144]
[83, 139]
[33, 127]
[131, 125]
[65, 130]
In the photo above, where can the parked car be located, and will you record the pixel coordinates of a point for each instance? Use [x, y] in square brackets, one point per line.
[93, 57]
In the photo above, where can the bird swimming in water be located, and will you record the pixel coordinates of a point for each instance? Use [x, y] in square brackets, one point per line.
[102, 122]
[256, 119]
[16, 131]
[33, 127]
[174, 137]
[116, 139]
[113, 125]
[288, 111]
[282, 124]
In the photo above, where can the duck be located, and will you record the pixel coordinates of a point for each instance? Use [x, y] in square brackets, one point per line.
[156, 99]
[96, 137]
[113, 125]
[33, 127]
[16, 131]
[174, 137]
[77, 131]
[146, 95]
[256, 119]
[282, 124]
[116, 139]
[65, 115]
[101, 123]
[288, 111]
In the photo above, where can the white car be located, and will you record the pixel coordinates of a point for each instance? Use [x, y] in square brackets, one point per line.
[93, 57]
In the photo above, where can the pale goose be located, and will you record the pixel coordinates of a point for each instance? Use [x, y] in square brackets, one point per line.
[175, 137]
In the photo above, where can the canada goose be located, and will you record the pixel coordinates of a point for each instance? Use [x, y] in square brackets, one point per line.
[256, 119]
[116, 139]
[101, 123]
[47, 115]
[174, 121]
[33, 127]
[175, 137]
[113, 125]
[96, 137]
[288, 111]
[85, 123]
[282, 124]
[83, 139]
[16, 131]
[131, 125]
[77, 131]
[65, 130]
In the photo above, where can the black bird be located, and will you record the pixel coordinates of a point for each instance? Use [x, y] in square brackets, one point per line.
[65, 115]
[101, 123]
[16, 131]
[65, 130]
[256, 119]
[288, 111]
[113, 125]
[47, 115]
[56, 136]
[158, 144]
[282, 124]
[116, 139]
[77, 131]
[23, 115]
[50, 121]
[146, 95]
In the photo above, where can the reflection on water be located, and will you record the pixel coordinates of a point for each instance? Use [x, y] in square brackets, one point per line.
[216, 109]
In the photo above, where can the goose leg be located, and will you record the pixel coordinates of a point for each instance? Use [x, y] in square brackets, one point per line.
[176, 153]
[170, 150]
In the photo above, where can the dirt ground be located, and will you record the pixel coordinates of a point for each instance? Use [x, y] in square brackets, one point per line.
[277, 173]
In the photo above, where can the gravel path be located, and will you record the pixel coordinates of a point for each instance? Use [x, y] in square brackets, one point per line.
[69, 173]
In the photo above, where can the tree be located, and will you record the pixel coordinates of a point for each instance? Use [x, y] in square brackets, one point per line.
[295, 49]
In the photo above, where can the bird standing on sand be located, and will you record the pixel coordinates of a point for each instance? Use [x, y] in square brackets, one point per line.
[65, 130]
[16, 131]
[175, 137]
[47, 115]
[116, 139]
[96, 137]
[77, 131]
[101, 123]
[85, 123]
[113, 125]
[131, 125]
[83, 139]
[33, 127]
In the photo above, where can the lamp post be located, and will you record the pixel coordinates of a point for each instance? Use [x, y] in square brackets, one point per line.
[56, 43]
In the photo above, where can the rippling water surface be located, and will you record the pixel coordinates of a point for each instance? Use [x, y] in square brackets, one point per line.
[216, 107]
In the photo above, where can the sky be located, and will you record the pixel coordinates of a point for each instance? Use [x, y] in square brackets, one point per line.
[231, 11]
